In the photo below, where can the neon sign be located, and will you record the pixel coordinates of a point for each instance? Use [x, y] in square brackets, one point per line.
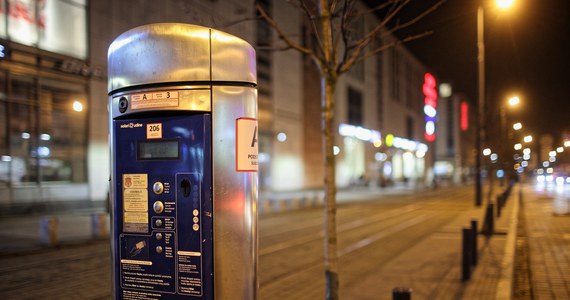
[464, 116]
[430, 105]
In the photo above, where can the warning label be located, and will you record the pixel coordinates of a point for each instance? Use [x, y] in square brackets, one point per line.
[135, 199]
[246, 145]
[154, 100]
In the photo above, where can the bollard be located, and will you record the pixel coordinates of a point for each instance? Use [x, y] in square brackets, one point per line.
[401, 293]
[48, 230]
[499, 205]
[99, 226]
[489, 226]
[466, 255]
[474, 242]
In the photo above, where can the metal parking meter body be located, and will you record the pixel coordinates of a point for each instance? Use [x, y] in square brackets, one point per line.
[183, 141]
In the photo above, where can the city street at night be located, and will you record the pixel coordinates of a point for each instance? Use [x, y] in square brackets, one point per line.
[410, 240]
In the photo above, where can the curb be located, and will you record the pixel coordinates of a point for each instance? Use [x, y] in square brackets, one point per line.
[505, 284]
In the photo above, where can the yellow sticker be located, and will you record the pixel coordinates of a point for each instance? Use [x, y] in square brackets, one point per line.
[135, 217]
[135, 181]
[135, 200]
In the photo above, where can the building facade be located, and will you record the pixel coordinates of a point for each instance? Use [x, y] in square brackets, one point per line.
[53, 99]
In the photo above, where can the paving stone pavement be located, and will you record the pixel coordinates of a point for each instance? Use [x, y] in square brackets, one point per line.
[547, 215]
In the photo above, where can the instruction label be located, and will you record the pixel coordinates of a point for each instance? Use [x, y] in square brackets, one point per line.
[135, 203]
[246, 145]
[154, 100]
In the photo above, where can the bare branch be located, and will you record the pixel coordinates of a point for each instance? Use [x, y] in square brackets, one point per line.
[313, 25]
[363, 42]
[232, 23]
[419, 17]
[280, 32]
[390, 45]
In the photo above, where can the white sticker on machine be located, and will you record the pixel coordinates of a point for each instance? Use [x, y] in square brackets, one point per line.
[246, 145]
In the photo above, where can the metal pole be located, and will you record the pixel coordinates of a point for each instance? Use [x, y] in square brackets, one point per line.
[481, 104]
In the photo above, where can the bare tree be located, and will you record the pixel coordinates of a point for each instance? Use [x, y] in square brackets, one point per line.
[339, 47]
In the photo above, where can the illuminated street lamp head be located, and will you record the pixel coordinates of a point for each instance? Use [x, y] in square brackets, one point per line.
[505, 4]
[513, 101]
[517, 126]
[528, 139]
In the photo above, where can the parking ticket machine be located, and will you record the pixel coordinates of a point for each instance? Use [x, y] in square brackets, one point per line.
[183, 141]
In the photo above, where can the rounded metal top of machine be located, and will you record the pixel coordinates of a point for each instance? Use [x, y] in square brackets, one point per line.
[179, 53]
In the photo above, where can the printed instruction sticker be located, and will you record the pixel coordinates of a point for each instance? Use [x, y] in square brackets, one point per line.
[154, 100]
[154, 131]
[135, 203]
[246, 145]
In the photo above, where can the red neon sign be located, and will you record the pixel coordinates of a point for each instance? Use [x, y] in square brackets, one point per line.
[430, 102]
[464, 116]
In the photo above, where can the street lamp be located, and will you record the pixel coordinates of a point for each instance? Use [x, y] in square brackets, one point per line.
[504, 4]
[527, 139]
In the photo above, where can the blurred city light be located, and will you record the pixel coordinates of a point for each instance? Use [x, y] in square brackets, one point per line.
[514, 100]
[518, 146]
[282, 137]
[552, 159]
[540, 171]
[526, 157]
[560, 149]
[26, 135]
[504, 4]
[552, 153]
[524, 164]
[527, 139]
[494, 157]
[567, 144]
[379, 156]
[336, 150]
[500, 173]
[545, 164]
[77, 106]
[526, 151]
[517, 126]
[487, 152]
[550, 170]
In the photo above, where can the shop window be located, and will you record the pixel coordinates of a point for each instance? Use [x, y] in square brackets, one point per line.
[43, 138]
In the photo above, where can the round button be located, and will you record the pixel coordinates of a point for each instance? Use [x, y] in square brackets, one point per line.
[158, 236]
[158, 207]
[159, 249]
[158, 222]
[158, 188]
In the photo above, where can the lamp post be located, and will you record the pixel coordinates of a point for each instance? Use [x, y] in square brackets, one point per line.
[481, 105]
[480, 136]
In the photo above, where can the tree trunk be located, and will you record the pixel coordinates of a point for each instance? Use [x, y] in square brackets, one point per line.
[331, 253]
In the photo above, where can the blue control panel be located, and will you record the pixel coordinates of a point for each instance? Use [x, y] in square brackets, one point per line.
[163, 207]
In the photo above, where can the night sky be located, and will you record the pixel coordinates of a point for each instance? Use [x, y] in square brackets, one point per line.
[527, 54]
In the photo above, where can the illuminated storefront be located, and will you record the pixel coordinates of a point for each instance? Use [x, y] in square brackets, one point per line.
[43, 100]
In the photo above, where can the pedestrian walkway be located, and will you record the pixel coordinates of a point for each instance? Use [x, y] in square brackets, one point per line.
[431, 267]
[546, 209]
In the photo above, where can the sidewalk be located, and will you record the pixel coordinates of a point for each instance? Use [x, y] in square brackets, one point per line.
[431, 267]
[546, 213]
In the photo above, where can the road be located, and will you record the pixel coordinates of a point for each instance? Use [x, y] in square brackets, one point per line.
[376, 248]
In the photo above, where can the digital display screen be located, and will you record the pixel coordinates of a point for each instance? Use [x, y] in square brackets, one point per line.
[158, 149]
